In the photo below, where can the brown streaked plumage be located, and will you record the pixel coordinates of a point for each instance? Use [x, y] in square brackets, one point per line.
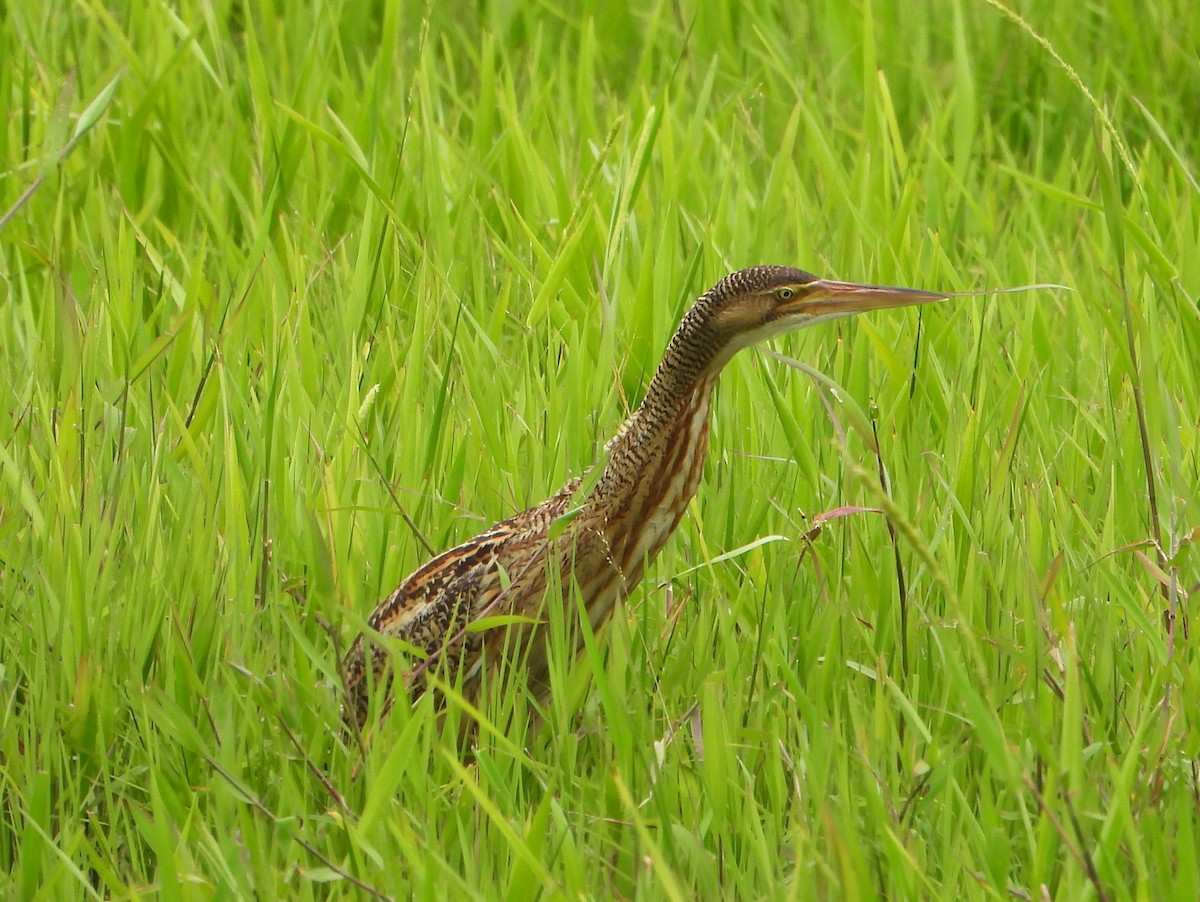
[652, 470]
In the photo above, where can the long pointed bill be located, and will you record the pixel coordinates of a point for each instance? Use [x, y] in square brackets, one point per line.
[825, 296]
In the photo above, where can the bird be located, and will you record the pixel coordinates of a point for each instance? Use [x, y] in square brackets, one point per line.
[595, 537]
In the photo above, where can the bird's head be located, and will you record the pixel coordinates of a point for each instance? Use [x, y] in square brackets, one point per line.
[754, 304]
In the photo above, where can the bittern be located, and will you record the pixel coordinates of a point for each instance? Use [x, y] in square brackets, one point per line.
[596, 541]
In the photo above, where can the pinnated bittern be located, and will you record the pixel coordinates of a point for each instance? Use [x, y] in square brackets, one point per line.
[601, 541]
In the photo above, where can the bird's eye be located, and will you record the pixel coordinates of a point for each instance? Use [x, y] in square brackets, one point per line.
[785, 294]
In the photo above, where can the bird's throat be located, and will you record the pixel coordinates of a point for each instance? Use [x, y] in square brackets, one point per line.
[653, 470]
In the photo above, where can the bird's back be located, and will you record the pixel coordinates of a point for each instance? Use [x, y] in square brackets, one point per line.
[500, 571]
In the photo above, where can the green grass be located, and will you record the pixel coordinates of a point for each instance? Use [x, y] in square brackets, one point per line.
[303, 275]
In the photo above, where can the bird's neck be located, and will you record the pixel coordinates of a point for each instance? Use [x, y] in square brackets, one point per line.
[655, 462]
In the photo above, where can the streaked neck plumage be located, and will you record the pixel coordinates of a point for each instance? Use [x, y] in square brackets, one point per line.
[656, 460]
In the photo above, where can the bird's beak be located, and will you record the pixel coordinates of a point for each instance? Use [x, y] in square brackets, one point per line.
[825, 296]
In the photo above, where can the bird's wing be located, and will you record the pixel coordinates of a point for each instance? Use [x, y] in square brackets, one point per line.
[432, 608]
[427, 612]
